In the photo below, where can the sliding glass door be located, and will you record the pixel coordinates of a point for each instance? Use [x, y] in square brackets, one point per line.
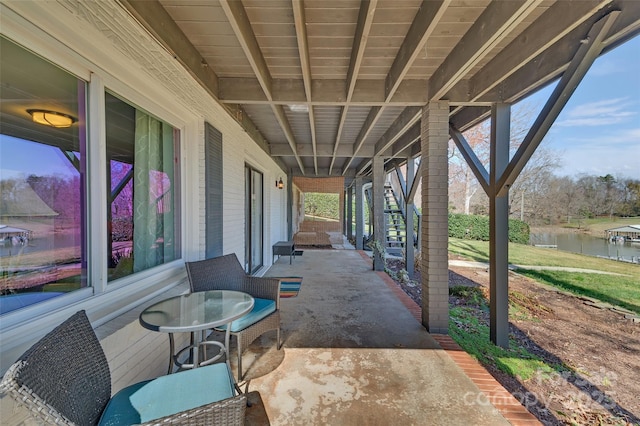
[253, 219]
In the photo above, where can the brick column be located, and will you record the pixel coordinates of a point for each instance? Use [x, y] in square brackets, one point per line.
[435, 223]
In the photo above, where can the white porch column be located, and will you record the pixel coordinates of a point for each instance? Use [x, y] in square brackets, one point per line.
[435, 223]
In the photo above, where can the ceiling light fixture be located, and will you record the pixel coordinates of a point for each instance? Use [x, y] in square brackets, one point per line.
[299, 108]
[51, 118]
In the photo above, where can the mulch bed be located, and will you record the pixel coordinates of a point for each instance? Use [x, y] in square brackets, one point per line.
[599, 348]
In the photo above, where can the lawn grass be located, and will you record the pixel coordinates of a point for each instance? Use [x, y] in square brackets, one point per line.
[597, 226]
[521, 254]
[622, 290]
[473, 336]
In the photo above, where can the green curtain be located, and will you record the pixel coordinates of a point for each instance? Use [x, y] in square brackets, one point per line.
[153, 210]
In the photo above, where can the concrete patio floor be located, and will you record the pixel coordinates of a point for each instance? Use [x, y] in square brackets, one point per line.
[353, 354]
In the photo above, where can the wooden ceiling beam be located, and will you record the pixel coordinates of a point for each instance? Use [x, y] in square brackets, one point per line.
[551, 63]
[322, 150]
[571, 78]
[403, 123]
[406, 140]
[303, 51]
[159, 23]
[153, 16]
[404, 131]
[239, 21]
[363, 27]
[242, 90]
[324, 172]
[369, 123]
[540, 35]
[422, 27]
[494, 24]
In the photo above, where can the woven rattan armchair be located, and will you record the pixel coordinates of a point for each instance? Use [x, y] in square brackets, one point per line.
[64, 379]
[226, 273]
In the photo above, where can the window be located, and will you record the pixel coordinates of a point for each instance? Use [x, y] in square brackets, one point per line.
[44, 209]
[143, 189]
[253, 219]
[42, 180]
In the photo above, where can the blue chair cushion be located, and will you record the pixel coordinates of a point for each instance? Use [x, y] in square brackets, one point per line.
[167, 395]
[261, 308]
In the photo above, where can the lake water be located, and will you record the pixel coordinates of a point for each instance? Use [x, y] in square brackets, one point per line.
[592, 246]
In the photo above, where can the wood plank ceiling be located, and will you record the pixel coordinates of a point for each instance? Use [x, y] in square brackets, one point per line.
[328, 84]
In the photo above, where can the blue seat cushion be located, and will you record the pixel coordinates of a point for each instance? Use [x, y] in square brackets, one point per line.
[261, 308]
[167, 395]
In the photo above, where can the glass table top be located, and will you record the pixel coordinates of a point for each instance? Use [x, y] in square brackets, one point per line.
[196, 311]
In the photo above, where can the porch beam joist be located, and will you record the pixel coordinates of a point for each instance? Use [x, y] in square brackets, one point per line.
[497, 21]
[400, 126]
[159, 23]
[329, 92]
[588, 52]
[237, 16]
[550, 64]
[474, 163]
[303, 50]
[535, 39]
[322, 150]
[369, 123]
[336, 172]
[365, 19]
[163, 28]
[407, 139]
[422, 27]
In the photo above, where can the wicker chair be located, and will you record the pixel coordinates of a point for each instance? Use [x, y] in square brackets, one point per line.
[226, 273]
[64, 379]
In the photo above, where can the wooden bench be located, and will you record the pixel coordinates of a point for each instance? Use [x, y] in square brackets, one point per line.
[284, 248]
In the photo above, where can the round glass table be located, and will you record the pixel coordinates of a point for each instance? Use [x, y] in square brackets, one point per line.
[196, 313]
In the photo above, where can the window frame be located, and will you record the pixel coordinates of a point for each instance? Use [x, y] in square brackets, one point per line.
[103, 302]
[248, 214]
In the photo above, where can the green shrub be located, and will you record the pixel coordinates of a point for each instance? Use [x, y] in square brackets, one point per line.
[322, 204]
[476, 227]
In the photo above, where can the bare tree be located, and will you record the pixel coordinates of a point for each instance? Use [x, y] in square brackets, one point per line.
[463, 185]
[528, 195]
[462, 181]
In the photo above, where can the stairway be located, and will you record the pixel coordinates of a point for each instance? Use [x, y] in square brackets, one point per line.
[395, 223]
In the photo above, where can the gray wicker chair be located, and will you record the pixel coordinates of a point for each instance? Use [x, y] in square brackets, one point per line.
[64, 379]
[226, 273]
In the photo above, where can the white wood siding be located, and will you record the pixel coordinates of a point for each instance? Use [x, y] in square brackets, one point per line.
[106, 40]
